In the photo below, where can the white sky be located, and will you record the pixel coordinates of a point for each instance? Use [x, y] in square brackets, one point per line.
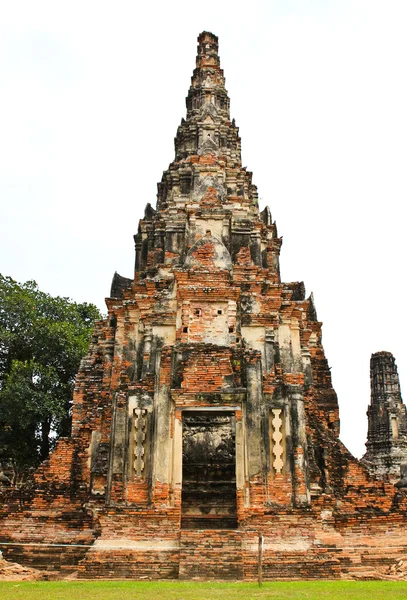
[92, 92]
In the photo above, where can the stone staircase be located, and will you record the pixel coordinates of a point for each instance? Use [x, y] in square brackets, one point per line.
[210, 554]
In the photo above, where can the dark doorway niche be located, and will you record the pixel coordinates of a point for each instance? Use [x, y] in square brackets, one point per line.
[208, 470]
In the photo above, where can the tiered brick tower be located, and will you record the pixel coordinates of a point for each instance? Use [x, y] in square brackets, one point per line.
[204, 412]
[387, 434]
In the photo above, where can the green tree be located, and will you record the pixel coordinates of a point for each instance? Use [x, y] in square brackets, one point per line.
[42, 340]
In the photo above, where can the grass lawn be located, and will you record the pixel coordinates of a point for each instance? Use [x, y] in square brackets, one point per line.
[129, 590]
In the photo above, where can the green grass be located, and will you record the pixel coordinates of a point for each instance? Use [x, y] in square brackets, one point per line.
[129, 590]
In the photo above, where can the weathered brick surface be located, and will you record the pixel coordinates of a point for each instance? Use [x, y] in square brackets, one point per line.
[210, 554]
[206, 398]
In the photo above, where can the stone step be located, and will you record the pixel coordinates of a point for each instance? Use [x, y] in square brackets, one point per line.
[210, 554]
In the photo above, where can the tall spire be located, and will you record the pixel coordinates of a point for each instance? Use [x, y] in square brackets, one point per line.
[387, 434]
[208, 82]
[207, 129]
[205, 188]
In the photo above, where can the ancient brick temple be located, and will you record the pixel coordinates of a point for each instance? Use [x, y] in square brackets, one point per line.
[204, 413]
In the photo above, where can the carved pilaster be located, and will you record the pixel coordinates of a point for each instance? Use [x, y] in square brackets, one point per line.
[306, 365]
[162, 449]
[269, 349]
[253, 414]
[300, 475]
[148, 337]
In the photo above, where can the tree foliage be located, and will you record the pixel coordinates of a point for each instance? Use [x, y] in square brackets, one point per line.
[42, 340]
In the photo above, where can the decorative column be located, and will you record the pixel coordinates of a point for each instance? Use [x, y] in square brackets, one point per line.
[162, 447]
[256, 465]
[300, 474]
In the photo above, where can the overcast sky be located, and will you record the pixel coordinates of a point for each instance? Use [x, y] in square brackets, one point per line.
[92, 92]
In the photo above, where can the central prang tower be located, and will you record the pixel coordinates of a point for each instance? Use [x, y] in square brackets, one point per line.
[216, 399]
[215, 363]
